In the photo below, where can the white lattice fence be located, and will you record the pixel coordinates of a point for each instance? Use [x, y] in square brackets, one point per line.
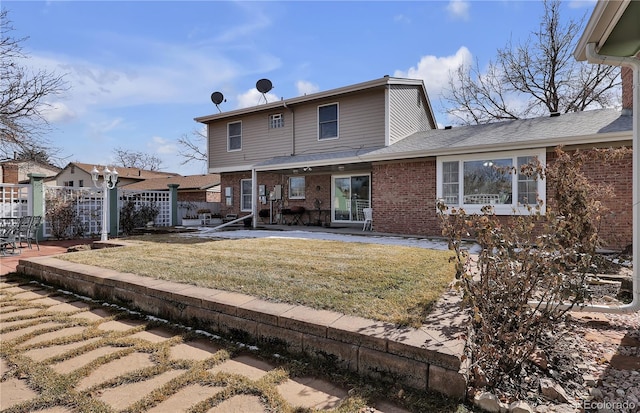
[160, 199]
[15, 200]
[72, 212]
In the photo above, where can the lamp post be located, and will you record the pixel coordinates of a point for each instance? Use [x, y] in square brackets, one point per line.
[109, 181]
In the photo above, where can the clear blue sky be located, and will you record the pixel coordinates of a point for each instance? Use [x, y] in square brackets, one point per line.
[141, 71]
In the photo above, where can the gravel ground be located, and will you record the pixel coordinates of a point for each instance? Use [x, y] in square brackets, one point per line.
[594, 358]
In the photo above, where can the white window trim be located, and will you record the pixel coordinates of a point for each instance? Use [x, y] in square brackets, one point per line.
[228, 137]
[303, 189]
[500, 209]
[276, 121]
[243, 207]
[337, 121]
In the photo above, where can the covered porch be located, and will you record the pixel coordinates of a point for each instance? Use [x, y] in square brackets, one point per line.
[331, 193]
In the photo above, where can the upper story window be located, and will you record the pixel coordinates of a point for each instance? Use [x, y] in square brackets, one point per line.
[328, 121]
[234, 136]
[296, 187]
[67, 183]
[493, 179]
[276, 121]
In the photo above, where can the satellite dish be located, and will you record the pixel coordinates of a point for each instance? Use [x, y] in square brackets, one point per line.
[264, 85]
[217, 98]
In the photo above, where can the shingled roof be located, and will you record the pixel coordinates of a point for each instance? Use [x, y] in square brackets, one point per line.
[588, 127]
[131, 173]
[189, 182]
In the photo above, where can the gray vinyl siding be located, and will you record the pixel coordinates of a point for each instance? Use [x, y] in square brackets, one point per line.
[407, 113]
[361, 124]
[259, 142]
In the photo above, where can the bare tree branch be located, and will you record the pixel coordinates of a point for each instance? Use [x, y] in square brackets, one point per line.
[533, 78]
[193, 148]
[140, 160]
[23, 98]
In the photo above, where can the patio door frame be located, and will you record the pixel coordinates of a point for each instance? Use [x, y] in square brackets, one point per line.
[348, 206]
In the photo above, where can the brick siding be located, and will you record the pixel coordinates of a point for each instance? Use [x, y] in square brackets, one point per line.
[403, 196]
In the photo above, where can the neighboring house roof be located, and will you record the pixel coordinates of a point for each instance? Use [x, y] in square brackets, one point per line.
[190, 182]
[377, 83]
[131, 173]
[596, 126]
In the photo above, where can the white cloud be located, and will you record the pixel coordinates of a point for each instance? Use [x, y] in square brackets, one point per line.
[254, 98]
[164, 74]
[434, 71]
[162, 146]
[458, 9]
[58, 112]
[306, 88]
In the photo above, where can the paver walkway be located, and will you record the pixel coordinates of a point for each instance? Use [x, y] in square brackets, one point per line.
[103, 359]
[81, 356]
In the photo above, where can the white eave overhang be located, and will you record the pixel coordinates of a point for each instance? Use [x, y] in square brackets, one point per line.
[605, 27]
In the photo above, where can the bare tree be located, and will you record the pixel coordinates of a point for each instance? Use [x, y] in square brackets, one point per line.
[133, 159]
[23, 97]
[193, 148]
[533, 78]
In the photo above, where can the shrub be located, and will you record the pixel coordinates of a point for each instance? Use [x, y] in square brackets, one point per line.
[530, 270]
[62, 216]
[132, 216]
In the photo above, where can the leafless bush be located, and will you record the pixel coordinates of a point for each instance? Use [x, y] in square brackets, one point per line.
[531, 269]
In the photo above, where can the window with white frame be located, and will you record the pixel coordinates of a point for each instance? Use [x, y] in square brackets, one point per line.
[473, 181]
[245, 195]
[234, 136]
[276, 121]
[296, 187]
[328, 121]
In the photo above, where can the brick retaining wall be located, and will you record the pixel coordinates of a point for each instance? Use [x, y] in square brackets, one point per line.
[425, 359]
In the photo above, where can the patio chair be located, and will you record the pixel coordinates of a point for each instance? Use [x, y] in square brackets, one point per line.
[8, 239]
[32, 233]
[24, 223]
[368, 219]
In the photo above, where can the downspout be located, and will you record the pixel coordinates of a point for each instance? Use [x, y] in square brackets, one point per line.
[293, 128]
[254, 198]
[594, 57]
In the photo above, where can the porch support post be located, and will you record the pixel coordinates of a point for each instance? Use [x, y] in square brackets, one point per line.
[173, 200]
[254, 198]
[37, 199]
[114, 212]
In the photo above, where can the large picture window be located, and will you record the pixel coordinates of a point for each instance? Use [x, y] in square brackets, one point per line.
[245, 195]
[490, 179]
[328, 121]
[296, 187]
[234, 136]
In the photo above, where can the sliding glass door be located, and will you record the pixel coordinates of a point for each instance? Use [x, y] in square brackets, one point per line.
[351, 194]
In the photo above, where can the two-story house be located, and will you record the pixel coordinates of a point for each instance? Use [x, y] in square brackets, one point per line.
[375, 144]
[306, 151]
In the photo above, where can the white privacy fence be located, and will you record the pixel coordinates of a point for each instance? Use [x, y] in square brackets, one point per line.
[159, 199]
[15, 200]
[71, 212]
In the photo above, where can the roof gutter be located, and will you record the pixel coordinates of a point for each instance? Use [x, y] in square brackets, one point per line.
[594, 57]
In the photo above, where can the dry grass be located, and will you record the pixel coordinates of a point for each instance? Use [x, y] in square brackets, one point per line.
[381, 282]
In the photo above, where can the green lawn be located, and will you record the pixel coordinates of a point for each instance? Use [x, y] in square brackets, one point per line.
[388, 283]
